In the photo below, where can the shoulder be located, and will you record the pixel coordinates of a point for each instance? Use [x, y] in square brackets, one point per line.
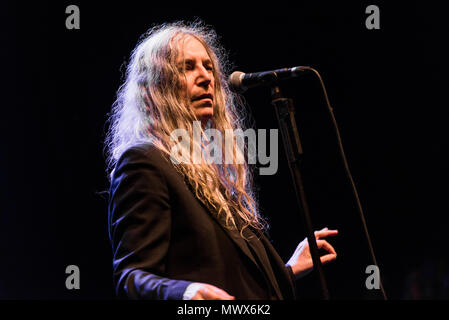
[143, 153]
[139, 157]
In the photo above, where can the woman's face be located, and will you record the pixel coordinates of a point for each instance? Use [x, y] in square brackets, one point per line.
[199, 77]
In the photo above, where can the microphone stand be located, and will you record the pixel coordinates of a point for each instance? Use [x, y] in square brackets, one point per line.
[285, 114]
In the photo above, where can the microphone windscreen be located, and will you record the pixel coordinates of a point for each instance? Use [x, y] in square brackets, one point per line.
[235, 79]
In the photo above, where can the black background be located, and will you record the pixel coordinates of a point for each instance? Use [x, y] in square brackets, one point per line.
[385, 87]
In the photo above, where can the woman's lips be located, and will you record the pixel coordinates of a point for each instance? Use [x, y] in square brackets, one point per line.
[204, 97]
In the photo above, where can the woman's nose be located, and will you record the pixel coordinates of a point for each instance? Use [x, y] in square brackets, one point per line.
[204, 77]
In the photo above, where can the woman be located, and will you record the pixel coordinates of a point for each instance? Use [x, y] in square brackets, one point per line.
[187, 229]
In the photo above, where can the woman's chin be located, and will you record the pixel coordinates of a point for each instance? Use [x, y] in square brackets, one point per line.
[205, 113]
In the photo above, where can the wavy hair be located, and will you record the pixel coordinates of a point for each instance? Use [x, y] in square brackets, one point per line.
[150, 105]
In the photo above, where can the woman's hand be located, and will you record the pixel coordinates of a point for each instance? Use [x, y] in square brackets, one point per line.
[210, 292]
[301, 261]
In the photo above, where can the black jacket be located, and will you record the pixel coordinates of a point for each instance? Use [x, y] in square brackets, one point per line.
[163, 238]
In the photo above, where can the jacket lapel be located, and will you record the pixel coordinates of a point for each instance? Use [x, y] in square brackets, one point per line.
[243, 245]
[238, 240]
[266, 259]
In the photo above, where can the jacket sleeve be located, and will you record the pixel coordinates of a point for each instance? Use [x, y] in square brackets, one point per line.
[290, 273]
[139, 228]
[292, 281]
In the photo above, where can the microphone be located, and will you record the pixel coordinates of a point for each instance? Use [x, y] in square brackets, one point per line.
[242, 81]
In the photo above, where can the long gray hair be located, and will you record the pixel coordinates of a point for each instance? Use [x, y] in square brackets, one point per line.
[150, 105]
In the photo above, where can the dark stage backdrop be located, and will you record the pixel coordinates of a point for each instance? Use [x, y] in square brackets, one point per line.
[385, 86]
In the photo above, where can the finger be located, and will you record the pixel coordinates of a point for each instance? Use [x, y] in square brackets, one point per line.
[326, 246]
[198, 295]
[207, 294]
[323, 244]
[325, 233]
[328, 258]
[214, 293]
[223, 294]
[325, 230]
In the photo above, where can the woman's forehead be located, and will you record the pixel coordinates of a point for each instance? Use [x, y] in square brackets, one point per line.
[190, 47]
